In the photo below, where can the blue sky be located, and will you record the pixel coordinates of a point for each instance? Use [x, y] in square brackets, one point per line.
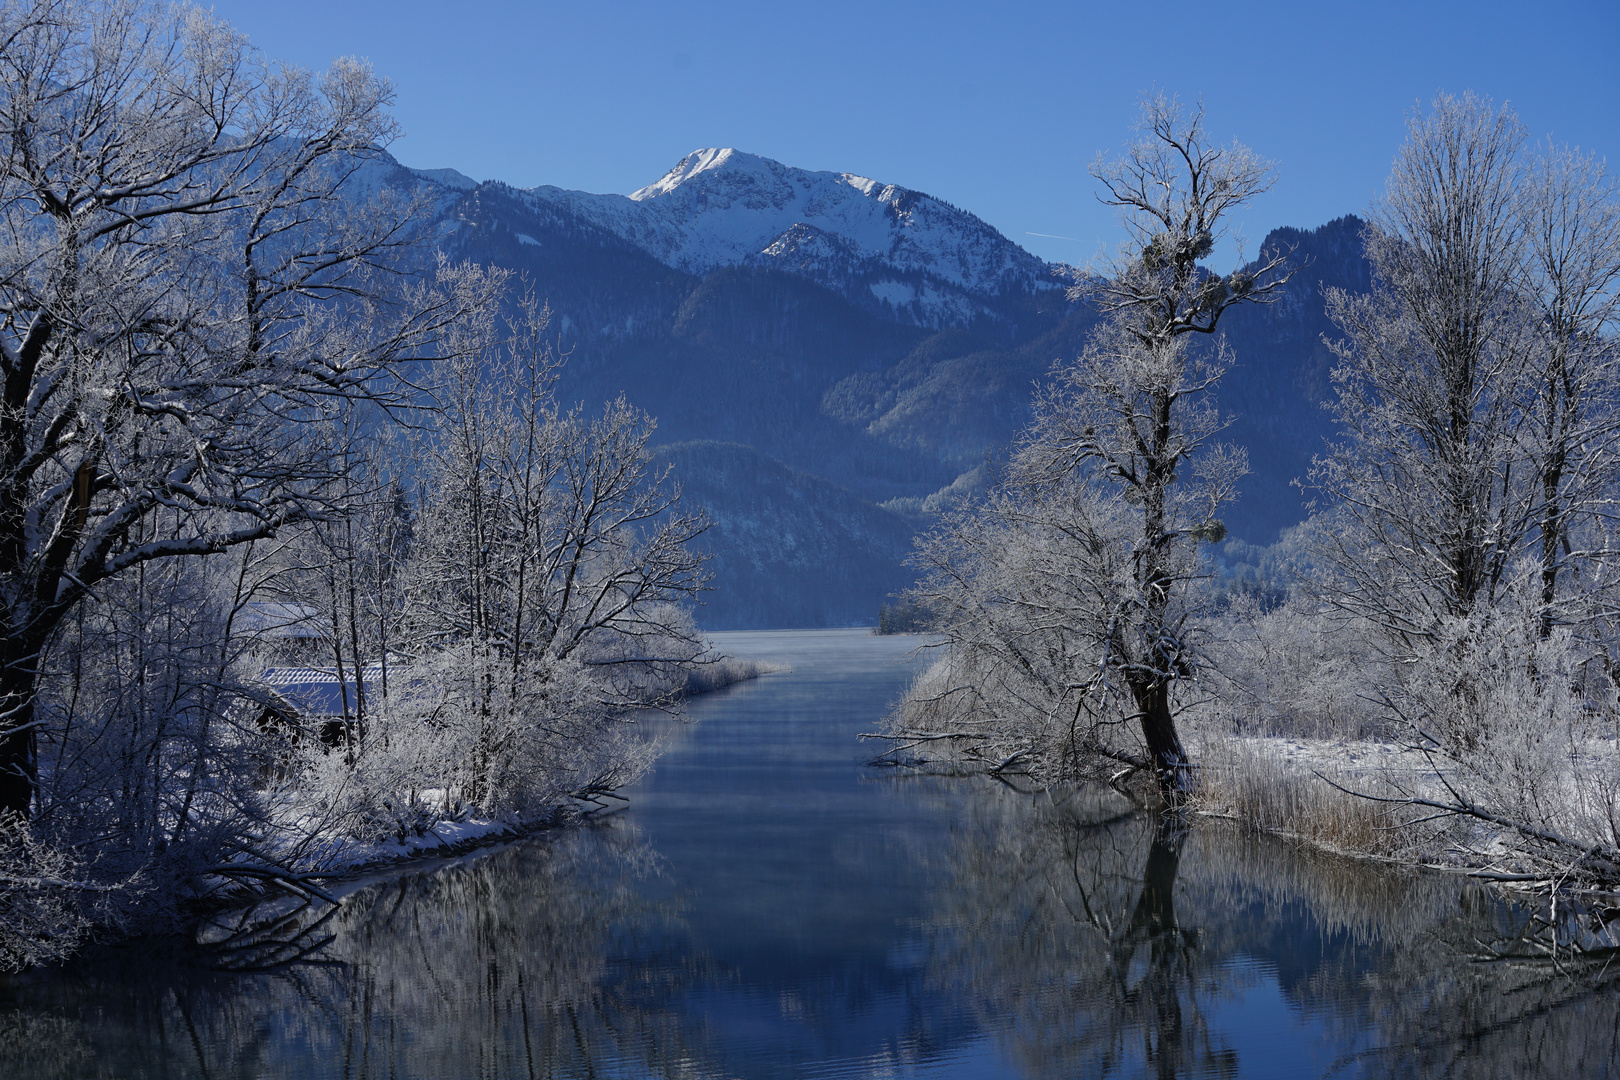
[998, 108]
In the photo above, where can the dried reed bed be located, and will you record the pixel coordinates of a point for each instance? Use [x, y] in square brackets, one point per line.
[707, 677]
[1248, 780]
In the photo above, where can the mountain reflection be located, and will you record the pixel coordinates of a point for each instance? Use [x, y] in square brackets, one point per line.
[1097, 943]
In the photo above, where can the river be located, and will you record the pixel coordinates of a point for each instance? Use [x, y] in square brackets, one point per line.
[768, 905]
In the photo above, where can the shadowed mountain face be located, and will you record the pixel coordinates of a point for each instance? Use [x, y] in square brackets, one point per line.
[789, 548]
[1282, 378]
[871, 345]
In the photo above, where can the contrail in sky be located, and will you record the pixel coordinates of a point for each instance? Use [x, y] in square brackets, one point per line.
[1055, 236]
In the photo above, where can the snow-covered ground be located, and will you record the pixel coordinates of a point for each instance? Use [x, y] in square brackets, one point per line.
[1339, 757]
[338, 855]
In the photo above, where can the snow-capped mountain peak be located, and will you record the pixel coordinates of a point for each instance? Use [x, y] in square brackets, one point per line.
[699, 161]
[737, 168]
[928, 261]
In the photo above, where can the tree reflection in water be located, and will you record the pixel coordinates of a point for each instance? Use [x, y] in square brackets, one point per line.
[541, 960]
[1081, 940]
[1097, 943]
[1063, 927]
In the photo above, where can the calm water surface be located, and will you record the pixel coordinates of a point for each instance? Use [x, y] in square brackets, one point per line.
[768, 906]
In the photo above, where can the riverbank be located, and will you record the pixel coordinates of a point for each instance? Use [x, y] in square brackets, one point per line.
[1377, 799]
[324, 818]
[728, 671]
[1532, 809]
[329, 854]
[766, 905]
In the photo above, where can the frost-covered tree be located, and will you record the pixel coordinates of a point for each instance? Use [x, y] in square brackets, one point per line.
[1024, 586]
[541, 593]
[1434, 368]
[1474, 486]
[1132, 408]
[1478, 383]
[193, 265]
[1119, 458]
[1572, 288]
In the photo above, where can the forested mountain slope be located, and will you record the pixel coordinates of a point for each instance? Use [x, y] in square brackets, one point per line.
[853, 331]
[1282, 377]
[789, 549]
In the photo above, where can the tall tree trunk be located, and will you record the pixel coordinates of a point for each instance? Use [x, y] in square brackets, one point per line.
[19, 744]
[1560, 410]
[1170, 765]
[1551, 534]
[1152, 692]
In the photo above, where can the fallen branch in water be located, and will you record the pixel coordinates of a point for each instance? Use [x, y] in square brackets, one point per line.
[996, 754]
[296, 883]
[594, 794]
[913, 739]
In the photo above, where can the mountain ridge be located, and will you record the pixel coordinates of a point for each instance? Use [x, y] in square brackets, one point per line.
[926, 261]
[795, 352]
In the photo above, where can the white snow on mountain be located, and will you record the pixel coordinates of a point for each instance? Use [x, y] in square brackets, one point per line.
[723, 207]
[376, 172]
[449, 178]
